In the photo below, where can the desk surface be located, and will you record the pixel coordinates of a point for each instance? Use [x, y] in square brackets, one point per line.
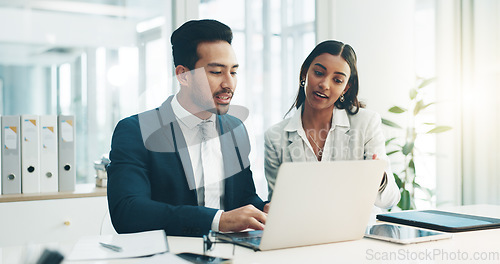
[467, 247]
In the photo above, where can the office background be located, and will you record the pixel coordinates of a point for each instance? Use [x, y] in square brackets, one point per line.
[103, 60]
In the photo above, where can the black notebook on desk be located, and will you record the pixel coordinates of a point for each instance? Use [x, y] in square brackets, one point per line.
[441, 221]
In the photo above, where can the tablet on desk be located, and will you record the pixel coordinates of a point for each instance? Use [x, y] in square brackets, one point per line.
[403, 234]
[441, 220]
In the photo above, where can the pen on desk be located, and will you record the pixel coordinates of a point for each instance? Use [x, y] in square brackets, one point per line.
[112, 247]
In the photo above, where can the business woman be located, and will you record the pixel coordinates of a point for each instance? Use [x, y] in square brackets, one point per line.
[330, 123]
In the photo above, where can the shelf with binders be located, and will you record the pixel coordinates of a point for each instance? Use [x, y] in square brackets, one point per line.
[38, 154]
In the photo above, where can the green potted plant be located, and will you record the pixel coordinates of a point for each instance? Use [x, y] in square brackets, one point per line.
[405, 178]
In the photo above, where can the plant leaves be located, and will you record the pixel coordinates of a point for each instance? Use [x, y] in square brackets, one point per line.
[398, 180]
[429, 192]
[418, 106]
[439, 129]
[405, 202]
[411, 165]
[427, 105]
[397, 110]
[390, 123]
[413, 93]
[407, 148]
[430, 124]
[392, 152]
[426, 82]
[389, 141]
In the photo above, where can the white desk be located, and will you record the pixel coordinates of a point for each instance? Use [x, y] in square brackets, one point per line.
[476, 247]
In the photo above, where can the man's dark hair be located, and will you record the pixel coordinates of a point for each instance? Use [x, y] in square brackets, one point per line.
[186, 38]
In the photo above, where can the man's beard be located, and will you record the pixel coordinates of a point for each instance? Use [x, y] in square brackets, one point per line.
[219, 109]
[210, 105]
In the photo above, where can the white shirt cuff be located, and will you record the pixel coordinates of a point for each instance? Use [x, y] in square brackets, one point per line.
[215, 222]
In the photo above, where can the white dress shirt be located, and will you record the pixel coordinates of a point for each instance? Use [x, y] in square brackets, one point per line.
[296, 125]
[213, 183]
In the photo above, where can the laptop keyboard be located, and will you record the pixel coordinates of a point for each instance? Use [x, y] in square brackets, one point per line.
[250, 240]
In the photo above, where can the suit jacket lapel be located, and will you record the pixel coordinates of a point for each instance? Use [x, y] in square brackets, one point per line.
[295, 149]
[341, 140]
[169, 121]
[235, 148]
[231, 152]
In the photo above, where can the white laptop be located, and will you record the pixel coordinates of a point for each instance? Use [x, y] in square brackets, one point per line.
[316, 203]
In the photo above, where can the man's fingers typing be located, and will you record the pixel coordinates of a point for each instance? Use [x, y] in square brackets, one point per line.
[242, 218]
[256, 224]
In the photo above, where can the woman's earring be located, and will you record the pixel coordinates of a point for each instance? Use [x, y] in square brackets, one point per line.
[302, 83]
[342, 98]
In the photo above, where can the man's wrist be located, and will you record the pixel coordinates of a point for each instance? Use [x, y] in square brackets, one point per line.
[216, 220]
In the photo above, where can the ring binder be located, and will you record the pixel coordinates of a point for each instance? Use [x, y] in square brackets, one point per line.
[11, 159]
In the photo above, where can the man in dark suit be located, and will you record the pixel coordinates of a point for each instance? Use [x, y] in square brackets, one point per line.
[184, 167]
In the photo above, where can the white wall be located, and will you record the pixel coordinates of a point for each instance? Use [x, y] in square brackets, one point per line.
[382, 35]
[448, 111]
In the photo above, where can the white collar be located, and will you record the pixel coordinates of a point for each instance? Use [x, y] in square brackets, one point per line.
[340, 118]
[184, 116]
